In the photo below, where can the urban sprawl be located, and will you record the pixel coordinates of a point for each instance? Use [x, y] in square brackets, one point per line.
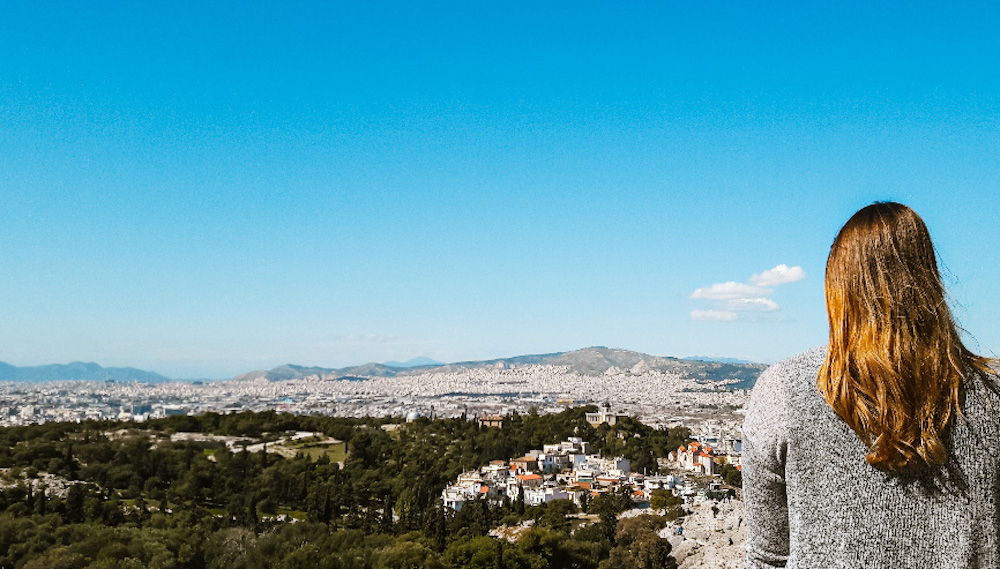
[560, 471]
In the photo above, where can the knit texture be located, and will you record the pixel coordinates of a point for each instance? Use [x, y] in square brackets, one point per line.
[813, 502]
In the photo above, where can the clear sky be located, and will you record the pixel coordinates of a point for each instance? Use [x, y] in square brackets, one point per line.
[205, 188]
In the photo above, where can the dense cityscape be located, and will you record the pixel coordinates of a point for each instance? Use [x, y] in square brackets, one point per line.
[652, 395]
[658, 398]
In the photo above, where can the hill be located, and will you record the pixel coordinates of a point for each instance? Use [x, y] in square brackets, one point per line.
[87, 371]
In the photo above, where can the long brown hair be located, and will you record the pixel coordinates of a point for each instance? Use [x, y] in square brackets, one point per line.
[895, 363]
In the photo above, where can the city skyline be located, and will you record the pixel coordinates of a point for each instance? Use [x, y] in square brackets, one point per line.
[204, 190]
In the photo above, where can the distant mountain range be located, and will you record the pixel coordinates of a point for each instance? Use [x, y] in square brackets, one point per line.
[415, 362]
[594, 361]
[587, 361]
[77, 371]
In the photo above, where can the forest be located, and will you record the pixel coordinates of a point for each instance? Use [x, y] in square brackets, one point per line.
[111, 495]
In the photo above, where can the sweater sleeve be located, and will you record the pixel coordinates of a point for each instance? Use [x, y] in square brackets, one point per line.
[763, 466]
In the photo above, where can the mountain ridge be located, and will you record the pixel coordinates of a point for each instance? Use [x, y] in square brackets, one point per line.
[592, 361]
[76, 371]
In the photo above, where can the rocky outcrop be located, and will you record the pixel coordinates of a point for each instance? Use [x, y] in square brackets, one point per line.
[711, 536]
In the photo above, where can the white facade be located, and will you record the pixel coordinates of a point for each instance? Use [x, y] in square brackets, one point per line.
[545, 494]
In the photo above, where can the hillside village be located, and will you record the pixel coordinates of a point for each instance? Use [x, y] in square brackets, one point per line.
[568, 471]
[709, 534]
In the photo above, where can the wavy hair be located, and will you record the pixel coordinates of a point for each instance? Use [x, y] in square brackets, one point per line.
[895, 362]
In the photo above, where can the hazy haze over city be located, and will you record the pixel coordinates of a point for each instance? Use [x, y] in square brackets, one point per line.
[205, 189]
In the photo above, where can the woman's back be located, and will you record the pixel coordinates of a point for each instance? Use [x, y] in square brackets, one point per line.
[812, 496]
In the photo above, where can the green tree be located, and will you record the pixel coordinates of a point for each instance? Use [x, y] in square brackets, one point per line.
[74, 504]
[478, 552]
[405, 554]
[663, 499]
[639, 538]
[731, 475]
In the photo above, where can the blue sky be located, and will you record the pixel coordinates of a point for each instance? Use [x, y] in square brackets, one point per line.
[202, 189]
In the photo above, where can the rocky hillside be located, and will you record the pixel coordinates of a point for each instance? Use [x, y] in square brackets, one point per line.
[712, 536]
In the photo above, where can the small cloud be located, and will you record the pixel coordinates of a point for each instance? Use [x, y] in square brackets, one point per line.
[729, 291]
[750, 305]
[779, 275]
[731, 300]
[714, 315]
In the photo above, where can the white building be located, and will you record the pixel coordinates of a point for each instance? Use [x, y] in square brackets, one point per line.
[545, 494]
[598, 418]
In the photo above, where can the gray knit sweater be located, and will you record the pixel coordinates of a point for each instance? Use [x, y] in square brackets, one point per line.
[813, 502]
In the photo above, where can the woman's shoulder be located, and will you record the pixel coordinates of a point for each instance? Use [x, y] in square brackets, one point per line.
[981, 408]
[779, 384]
[791, 371]
[984, 382]
[983, 387]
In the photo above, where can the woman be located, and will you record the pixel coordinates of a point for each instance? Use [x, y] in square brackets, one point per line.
[883, 449]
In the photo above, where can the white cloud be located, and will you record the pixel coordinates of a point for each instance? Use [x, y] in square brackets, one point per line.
[750, 305]
[729, 301]
[729, 291]
[779, 275]
[713, 315]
